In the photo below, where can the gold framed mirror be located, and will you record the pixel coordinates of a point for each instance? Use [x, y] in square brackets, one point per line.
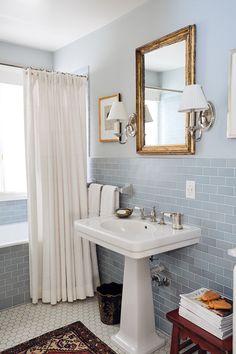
[163, 68]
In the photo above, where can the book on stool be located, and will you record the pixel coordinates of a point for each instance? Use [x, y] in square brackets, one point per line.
[194, 309]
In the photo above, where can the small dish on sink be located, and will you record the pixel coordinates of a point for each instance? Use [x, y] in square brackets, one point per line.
[123, 212]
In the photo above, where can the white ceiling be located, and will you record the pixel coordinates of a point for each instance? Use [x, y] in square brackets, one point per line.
[167, 58]
[52, 24]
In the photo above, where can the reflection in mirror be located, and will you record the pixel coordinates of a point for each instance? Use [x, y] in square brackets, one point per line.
[164, 67]
[164, 83]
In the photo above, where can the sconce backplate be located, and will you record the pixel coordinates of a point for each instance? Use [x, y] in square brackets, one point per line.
[207, 117]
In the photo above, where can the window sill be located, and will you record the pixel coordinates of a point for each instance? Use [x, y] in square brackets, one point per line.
[4, 197]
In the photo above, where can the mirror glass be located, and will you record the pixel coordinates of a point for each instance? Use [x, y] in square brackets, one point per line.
[163, 68]
[164, 83]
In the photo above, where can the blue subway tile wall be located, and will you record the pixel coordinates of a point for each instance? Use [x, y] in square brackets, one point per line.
[14, 275]
[13, 211]
[161, 182]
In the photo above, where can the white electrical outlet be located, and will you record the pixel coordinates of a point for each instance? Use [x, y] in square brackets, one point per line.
[190, 189]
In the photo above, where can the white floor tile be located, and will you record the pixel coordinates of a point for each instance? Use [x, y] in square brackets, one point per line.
[24, 322]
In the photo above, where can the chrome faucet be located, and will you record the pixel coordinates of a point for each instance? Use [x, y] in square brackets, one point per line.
[141, 210]
[153, 215]
[176, 219]
[162, 218]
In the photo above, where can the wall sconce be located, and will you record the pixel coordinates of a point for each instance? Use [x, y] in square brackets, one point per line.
[119, 114]
[201, 111]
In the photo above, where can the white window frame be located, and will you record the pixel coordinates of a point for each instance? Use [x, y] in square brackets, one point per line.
[11, 75]
[4, 197]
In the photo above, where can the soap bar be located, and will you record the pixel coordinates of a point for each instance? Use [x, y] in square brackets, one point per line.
[123, 212]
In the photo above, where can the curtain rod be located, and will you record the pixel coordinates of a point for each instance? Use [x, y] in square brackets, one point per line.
[48, 71]
[162, 89]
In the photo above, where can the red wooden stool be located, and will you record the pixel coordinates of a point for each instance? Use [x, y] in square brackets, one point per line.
[203, 341]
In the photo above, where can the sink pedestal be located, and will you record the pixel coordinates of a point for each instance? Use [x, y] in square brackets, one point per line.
[137, 333]
[137, 240]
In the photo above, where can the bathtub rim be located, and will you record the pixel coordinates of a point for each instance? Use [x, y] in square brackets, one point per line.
[11, 243]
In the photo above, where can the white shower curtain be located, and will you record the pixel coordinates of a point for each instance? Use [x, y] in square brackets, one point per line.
[55, 129]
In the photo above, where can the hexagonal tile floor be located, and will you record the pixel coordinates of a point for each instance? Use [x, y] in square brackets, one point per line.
[21, 323]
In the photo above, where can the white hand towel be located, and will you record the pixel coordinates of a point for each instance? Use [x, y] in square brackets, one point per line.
[109, 200]
[94, 198]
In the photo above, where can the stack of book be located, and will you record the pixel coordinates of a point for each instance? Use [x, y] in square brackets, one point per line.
[194, 309]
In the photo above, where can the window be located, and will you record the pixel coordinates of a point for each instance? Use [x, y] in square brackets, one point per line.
[12, 144]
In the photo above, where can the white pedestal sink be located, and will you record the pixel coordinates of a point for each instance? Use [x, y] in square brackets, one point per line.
[137, 240]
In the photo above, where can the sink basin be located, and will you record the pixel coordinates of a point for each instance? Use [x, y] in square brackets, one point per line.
[131, 228]
[134, 237]
[137, 240]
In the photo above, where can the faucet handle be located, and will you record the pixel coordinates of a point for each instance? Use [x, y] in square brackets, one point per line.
[141, 210]
[162, 218]
[153, 214]
[142, 214]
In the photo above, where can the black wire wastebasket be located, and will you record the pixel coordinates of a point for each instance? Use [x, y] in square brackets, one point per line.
[109, 299]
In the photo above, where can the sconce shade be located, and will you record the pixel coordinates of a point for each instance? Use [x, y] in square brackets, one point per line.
[148, 116]
[193, 99]
[118, 112]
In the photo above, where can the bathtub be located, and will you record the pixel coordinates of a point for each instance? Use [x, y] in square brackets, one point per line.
[14, 265]
[13, 234]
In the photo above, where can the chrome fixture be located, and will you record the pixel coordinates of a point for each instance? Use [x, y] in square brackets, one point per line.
[160, 280]
[162, 219]
[202, 113]
[126, 189]
[153, 215]
[141, 210]
[177, 221]
[158, 275]
[153, 258]
[119, 114]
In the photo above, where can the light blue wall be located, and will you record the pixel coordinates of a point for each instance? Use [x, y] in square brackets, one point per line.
[26, 56]
[161, 182]
[110, 53]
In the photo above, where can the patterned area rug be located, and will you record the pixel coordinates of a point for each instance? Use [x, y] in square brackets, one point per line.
[72, 339]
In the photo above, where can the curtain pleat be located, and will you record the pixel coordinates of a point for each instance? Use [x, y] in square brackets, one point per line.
[61, 262]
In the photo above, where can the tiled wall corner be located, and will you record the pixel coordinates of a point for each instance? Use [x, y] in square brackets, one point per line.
[161, 182]
[14, 275]
[13, 211]
[111, 265]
